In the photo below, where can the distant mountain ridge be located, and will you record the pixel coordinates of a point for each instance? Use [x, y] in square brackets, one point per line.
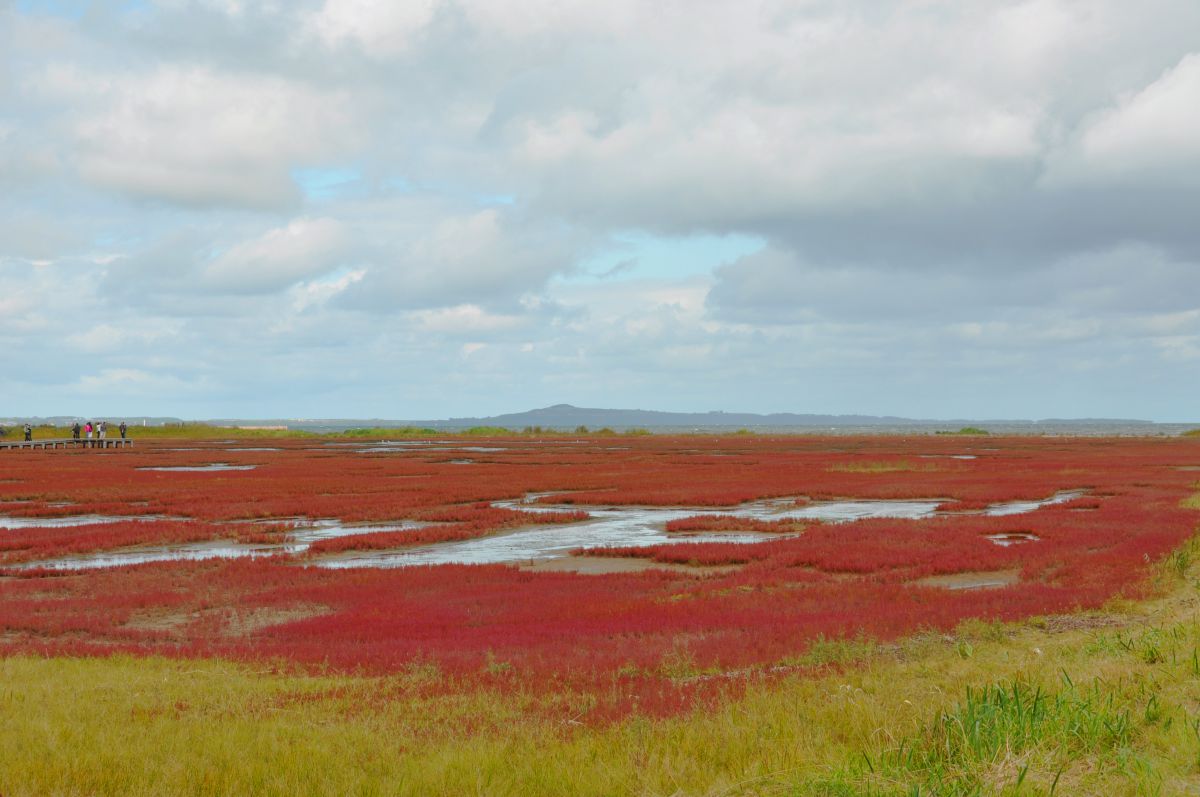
[567, 415]
[564, 416]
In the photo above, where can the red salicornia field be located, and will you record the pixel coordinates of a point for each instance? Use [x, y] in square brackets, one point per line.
[345, 556]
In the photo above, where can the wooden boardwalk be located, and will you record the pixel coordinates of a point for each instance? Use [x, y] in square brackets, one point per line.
[68, 442]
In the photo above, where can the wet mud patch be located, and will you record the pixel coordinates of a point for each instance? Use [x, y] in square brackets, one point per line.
[245, 622]
[594, 565]
[980, 579]
[159, 620]
[228, 622]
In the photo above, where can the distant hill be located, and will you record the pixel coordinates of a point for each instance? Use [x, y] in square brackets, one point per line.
[567, 416]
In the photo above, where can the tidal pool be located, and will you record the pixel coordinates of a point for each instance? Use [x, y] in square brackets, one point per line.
[294, 542]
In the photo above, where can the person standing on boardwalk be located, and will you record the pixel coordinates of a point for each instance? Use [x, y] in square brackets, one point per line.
[103, 429]
[75, 431]
[28, 433]
[122, 429]
[87, 429]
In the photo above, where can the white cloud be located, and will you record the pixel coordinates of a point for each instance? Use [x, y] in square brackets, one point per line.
[132, 335]
[1150, 135]
[280, 257]
[126, 381]
[319, 291]
[465, 319]
[198, 136]
[380, 27]
[485, 257]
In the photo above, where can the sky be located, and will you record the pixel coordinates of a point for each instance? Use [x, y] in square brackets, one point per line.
[437, 208]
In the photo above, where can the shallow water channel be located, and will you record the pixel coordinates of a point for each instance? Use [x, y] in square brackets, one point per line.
[68, 521]
[609, 526]
[639, 526]
[296, 541]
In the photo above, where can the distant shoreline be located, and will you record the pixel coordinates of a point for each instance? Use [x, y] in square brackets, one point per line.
[385, 429]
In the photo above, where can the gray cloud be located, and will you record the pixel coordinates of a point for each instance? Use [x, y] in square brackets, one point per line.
[1006, 187]
[777, 286]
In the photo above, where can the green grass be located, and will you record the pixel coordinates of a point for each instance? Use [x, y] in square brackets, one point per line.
[967, 430]
[991, 739]
[1193, 501]
[386, 432]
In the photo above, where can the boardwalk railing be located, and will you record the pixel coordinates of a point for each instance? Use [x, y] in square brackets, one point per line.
[68, 442]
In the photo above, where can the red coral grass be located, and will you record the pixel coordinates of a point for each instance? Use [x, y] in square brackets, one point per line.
[659, 639]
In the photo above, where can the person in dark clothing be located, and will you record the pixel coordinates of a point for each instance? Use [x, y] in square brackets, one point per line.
[122, 429]
[75, 431]
[28, 433]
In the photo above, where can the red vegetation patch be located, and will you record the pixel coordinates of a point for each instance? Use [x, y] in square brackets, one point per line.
[22, 545]
[622, 637]
[729, 523]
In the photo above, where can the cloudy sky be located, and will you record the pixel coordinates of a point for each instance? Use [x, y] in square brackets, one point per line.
[430, 208]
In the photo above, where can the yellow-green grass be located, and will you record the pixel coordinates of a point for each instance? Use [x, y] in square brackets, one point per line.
[1098, 703]
[203, 431]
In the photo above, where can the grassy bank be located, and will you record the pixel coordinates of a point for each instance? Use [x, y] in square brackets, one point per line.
[1088, 704]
